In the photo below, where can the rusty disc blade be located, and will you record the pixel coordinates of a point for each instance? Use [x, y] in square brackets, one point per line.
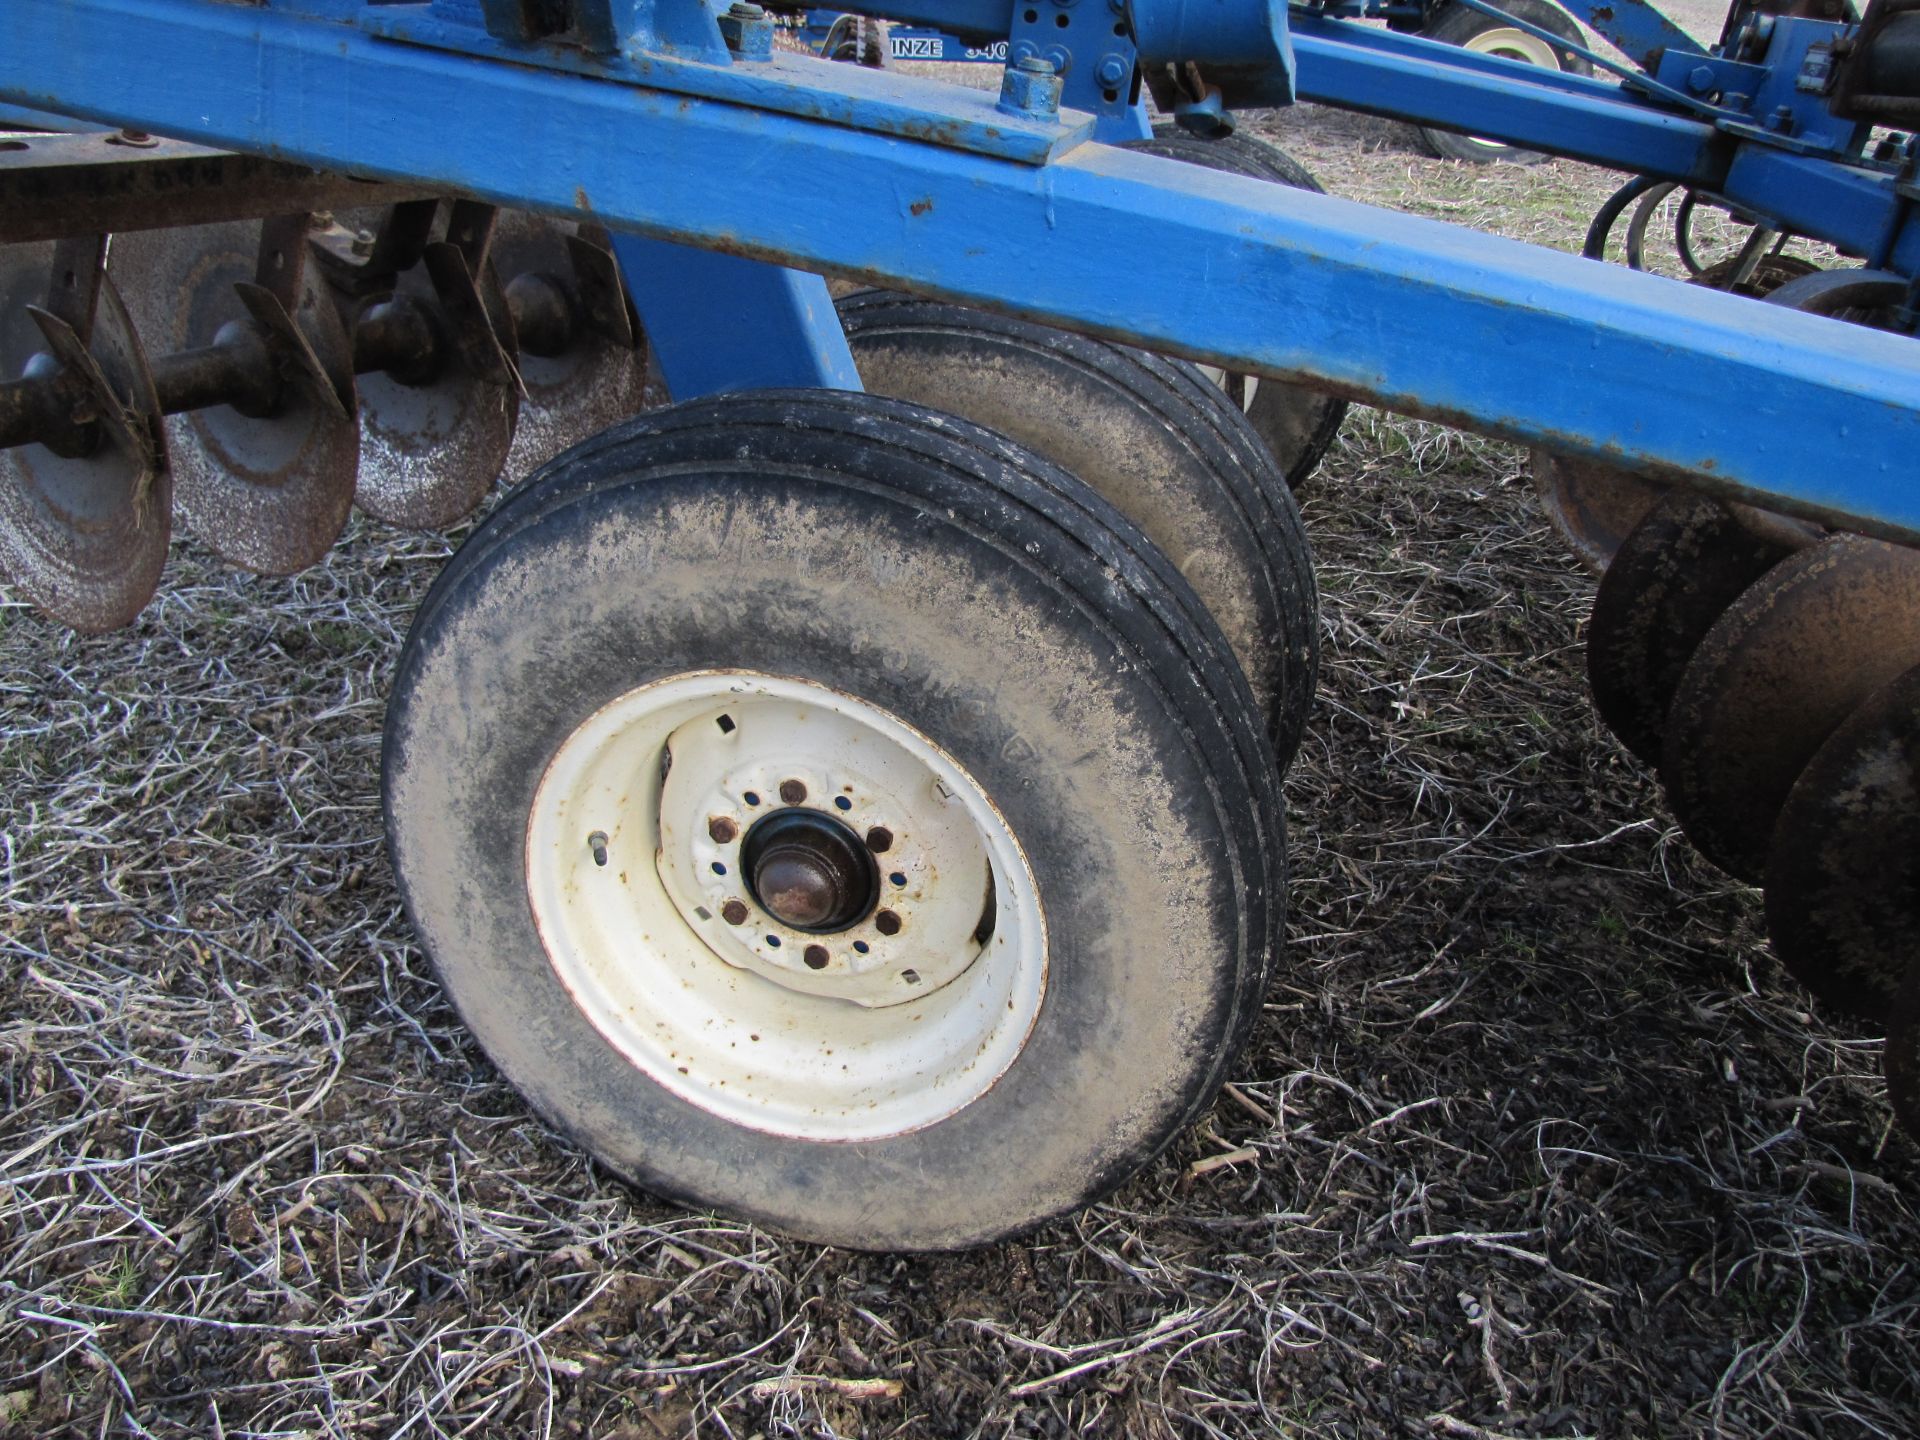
[1593, 506]
[83, 539]
[430, 452]
[1774, 677]
[268, 494]
[1688, 559]
[587, 386]
[1843, 878]
[1901, 1059]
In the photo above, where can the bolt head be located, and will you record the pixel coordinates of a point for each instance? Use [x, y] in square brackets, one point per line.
[1112, 73]
[1034, 65]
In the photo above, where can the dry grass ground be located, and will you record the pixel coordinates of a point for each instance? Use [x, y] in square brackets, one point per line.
[1535, 1140]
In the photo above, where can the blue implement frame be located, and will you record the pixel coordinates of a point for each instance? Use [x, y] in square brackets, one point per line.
[922, 185]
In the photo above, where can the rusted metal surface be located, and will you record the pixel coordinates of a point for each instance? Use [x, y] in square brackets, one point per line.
[1593, 506]
[84, 537]
[433, 441]
[1843, 880]
[1879, 73]
[808, 870]
[1687, 560]
[52, 186]
[1774, 677]
[268, 489]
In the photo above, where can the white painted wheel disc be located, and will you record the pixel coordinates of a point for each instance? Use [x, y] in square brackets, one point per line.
[1514, 44]
[635, 877]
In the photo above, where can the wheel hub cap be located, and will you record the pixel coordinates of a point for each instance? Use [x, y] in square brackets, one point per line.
[810, 871]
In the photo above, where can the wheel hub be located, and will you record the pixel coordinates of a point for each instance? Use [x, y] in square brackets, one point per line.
[810, 871]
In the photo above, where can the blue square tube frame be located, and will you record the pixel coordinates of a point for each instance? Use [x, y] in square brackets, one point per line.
[1808, 415]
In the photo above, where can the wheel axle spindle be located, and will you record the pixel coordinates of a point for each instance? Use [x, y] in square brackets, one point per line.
[400, 336]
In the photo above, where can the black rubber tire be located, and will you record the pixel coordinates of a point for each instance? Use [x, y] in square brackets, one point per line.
[1151, 435]
[1297, 424]
[1000, 608]
[1459, 25]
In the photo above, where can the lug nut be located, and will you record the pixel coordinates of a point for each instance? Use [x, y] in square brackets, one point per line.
[721, 829]
[879, 839]
[887, 923]
[793, 792]
[734, 912]
[816, 957]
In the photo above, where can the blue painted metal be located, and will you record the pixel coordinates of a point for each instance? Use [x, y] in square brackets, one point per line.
[1643, 82]
[1787, 114]
[718, 322]
[1030, 87]
[1241, 45]
[1360, 67]
[1089, 43]
[1639, 30]
[1801, 413]
[1208, 32]
[17, 117]
[799, 85]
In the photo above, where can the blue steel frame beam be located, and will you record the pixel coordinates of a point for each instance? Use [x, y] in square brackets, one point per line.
[1636, 28]
[1809, 415]
[1403, 77]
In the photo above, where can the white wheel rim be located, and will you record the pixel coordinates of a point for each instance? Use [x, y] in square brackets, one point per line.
[635, 882]
[1512, 44]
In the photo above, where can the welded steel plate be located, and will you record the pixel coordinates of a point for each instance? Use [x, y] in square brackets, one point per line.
[1593, 506]
[585, 388]
[1687, 560]
[83, 539]
[1843, 878]
[430, 452]
[269, 494]
[1774, 677]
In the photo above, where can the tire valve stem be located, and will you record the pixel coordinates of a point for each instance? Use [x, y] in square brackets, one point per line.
[597, 842]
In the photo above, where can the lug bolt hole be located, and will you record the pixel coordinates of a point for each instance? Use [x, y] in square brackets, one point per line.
[879, 839]
[816, 957]
[898, 879]
[752, 797]
[734, 912]
[718, 868]
[861, 947]
[722, 830]
[887, 923]
[774, 941]
[793, 792]
[842, 802]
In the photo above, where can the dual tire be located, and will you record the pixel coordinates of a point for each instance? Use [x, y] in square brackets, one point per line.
[992, 668]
